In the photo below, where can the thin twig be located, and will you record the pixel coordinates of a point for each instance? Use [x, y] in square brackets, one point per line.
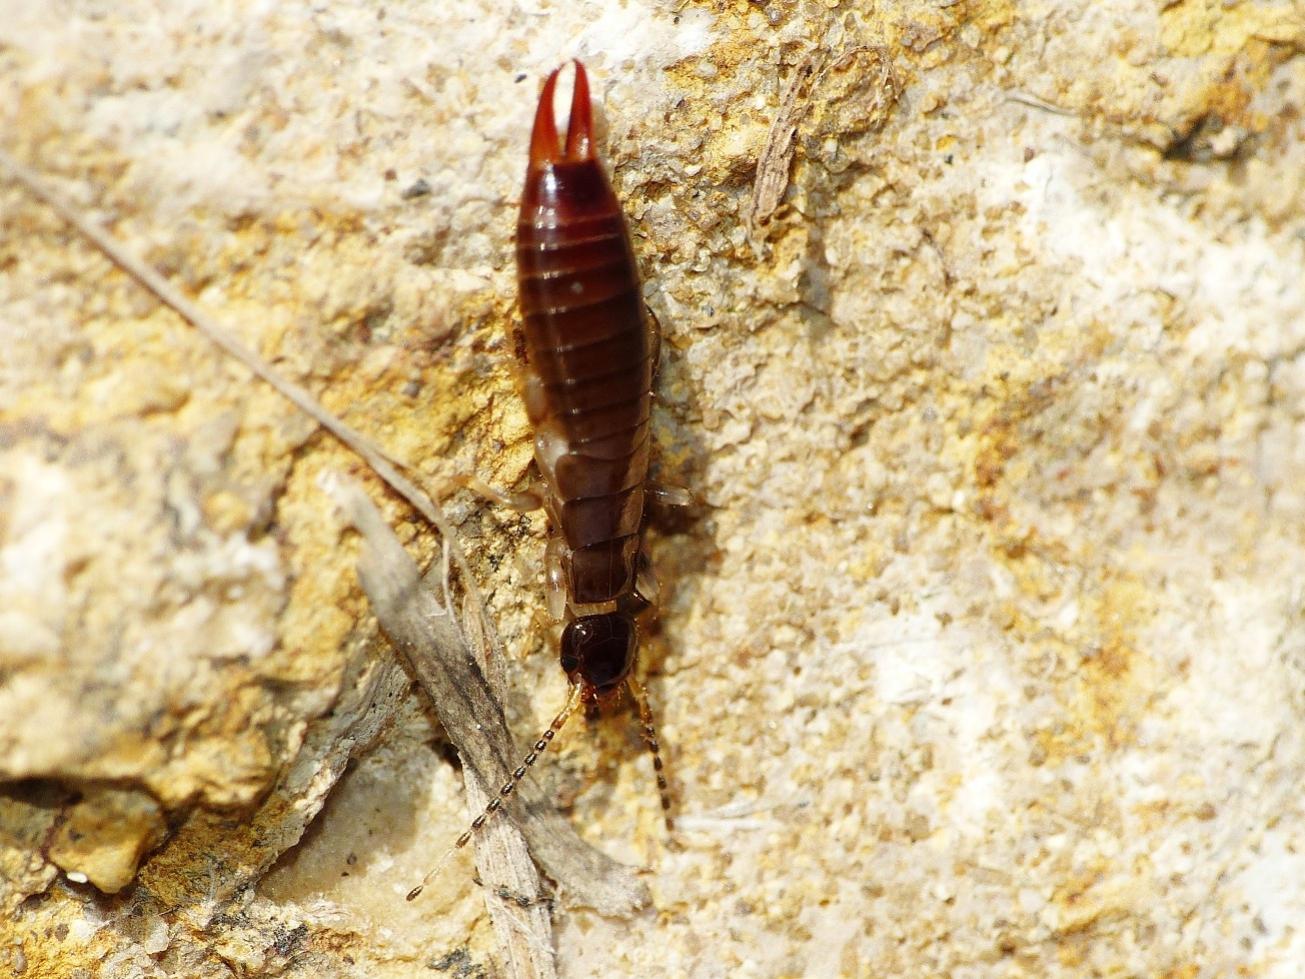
[1033, 102]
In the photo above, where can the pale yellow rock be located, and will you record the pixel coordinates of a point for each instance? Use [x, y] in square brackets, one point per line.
[102, 837]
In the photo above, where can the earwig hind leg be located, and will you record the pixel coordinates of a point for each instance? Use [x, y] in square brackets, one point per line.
[649, 733]
[673, 496]
[654, 328]
[526, 501]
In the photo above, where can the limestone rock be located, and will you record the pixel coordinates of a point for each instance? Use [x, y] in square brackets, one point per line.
[983, 653]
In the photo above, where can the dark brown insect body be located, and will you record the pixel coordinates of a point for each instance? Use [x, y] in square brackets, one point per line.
[589, 361]
[588, 390]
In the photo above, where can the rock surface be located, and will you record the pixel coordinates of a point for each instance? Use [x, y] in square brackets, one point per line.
[984, 653]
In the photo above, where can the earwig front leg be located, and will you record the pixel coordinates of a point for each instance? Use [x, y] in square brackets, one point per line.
[526, 501]
[555, 576]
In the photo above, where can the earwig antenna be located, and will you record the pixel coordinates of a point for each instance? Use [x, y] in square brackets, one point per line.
[495, 804]
[650, 738]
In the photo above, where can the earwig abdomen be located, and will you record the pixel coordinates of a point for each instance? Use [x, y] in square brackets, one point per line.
[588, 354]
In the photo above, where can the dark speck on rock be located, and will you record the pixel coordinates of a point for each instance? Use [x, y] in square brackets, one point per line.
[418, 189]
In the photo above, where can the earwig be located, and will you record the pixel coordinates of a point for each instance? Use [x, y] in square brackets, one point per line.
[589, 357]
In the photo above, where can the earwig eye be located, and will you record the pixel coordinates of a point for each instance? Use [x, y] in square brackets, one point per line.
[573, 640]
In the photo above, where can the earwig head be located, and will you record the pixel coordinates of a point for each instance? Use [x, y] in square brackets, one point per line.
[598, 653]
[544, 144]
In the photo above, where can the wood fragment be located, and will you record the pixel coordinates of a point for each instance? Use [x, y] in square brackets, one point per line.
[775, 163]
[776, 159]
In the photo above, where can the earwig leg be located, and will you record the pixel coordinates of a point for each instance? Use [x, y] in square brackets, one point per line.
[670, 495]
[650, 738]
[526, 501]
[541, 622]
[654, 326]
[646, 587]
[555, 576]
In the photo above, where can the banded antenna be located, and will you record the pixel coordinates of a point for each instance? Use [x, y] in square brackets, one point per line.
[495, 804]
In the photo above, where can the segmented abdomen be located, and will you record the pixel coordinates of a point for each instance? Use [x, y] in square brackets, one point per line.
[589, 363]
